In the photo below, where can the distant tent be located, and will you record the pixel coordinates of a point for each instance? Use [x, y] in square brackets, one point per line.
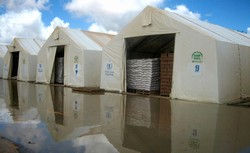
[3, 50]
[210, 63]
[21, 59]
[71, 57]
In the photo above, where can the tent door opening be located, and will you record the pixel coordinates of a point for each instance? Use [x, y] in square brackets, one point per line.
[14, 64]
[58, 67]
[149, 65]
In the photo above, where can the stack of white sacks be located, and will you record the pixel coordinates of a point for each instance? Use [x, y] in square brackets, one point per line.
[143, 74]
[59, 69]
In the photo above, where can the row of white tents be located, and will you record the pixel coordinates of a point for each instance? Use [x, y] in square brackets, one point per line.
[34, 60]
[211, 63]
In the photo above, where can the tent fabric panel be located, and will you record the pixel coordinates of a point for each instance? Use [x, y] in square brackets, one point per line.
[42, 65]
[29, 45]
[74, 70]
[112, 66]
[3, 50]
[101, 38]
[92, 68]
[6, 68]
[45, 63]
[49, 63]
[228, 71]
[23, 67]
[1, 67]
[195, 80]
[217, 32]
[32, 63]
[245, 70]
[82, 39]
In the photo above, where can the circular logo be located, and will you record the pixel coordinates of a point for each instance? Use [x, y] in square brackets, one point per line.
[109, 66]
[76, 59]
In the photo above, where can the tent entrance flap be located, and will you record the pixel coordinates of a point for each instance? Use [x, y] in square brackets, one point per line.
[149, 65]
[14, 64]
[58, 66]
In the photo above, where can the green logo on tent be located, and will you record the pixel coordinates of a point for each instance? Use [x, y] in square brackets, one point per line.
[76, 59]
[197, 57]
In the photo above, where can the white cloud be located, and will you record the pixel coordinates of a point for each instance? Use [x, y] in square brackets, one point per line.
[99, 28]
[18, 5]
[248, 30]
[46, 31]
[109, 15]
[25, 24]
[183, 10]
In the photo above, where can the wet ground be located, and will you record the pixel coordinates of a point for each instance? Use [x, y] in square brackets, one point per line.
[43, 118]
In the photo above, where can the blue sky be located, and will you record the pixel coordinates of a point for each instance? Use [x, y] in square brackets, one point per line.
[38, 18]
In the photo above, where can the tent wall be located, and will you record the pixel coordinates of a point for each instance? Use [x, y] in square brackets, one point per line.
[92, 68]
[245, 70]
[112, 78]
[228, 71]
[1, 67]
[195, 80]
[74, 66]
[6, 69]
[23, 67]
[3, 50]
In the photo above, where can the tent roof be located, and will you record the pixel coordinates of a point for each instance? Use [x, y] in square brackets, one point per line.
[218, 32]
[31, 46]
[87, 39]
[3, 50]
[214, 31]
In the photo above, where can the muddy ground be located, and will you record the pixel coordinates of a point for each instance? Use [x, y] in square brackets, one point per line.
[7, 146]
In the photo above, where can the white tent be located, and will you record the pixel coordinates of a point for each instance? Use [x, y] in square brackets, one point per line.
[71, 57]
[210, 63]
[3, 50]
[21, 59]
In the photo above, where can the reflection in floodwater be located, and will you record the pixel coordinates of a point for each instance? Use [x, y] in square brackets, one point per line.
[57, 93]
[147, 125]
[43, 118]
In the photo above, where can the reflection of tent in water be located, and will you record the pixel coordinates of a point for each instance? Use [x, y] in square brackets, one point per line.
[147, 124]
[44, 103]
[227, 131]
[71, 57]
[1, 89]
[21, 98]
[112, 115]
[69, 115]
[11, 95]
[3, 50]
[95, 143]
[21, 59]
[208, 62]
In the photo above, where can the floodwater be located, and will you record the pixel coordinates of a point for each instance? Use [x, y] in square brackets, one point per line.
[43, 118]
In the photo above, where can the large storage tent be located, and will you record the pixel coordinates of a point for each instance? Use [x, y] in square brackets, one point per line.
[21, 59]
[210, 63]
[3, 50]
[71, 57]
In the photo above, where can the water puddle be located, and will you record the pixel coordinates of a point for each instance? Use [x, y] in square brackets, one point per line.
[43, 118]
